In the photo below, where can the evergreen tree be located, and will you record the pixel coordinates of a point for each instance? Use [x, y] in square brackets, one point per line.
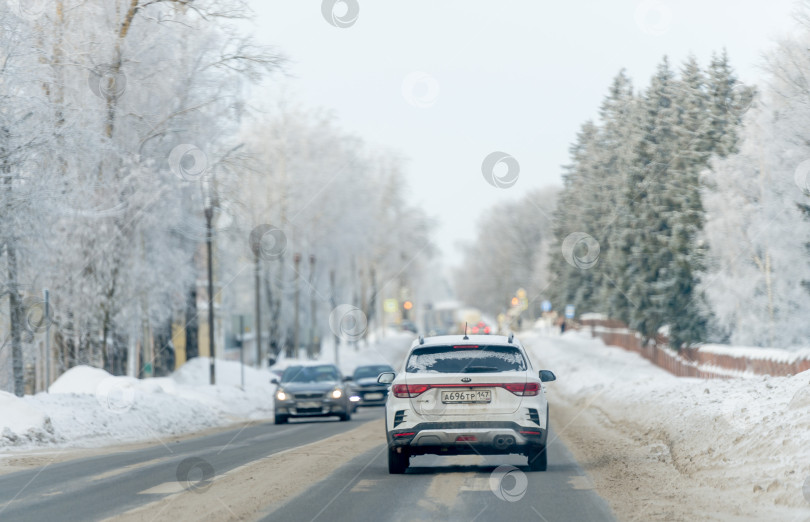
[573, 285]
[683, 306]
[617, 138]
[635, 185]
[644, 228]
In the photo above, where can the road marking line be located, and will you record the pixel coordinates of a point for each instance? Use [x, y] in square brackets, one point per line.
[167, 488]
[477, 484]
[581, 482]
[364, 485]
[131, 467]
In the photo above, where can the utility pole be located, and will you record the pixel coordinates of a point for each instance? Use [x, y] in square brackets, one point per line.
[363, 305]
[372, 306]
[209, 216]
[47, 296]
[242, 348]
[311, 306]
[333, 303]
[258, 311]
[297, 262]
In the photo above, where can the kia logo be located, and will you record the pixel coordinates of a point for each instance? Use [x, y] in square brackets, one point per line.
[466, 379]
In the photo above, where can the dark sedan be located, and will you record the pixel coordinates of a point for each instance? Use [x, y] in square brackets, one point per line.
[366, 391]
[311, 391]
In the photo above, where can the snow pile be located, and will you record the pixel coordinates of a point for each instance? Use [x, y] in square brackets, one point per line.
[20, 423]
[747, 438]
[88, 407]
[80, 379]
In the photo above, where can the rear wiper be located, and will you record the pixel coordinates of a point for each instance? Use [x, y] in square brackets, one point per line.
[477, 369]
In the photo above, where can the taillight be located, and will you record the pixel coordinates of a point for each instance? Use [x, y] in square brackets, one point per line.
[523, 388]
[404, 391]
[486, 330]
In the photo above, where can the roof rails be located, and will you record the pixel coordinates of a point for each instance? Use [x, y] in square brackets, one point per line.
[511, 336]
[421, 340]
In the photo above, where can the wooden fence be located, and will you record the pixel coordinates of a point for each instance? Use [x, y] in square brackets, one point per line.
[705, 362]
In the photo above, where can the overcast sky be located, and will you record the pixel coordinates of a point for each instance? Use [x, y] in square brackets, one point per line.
[447, 82]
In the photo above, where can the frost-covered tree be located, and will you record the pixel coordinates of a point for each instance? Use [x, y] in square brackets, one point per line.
[509, 252]
[756, 201]
[95, 96]
[335, 199]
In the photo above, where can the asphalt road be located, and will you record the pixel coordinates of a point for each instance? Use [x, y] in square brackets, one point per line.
[434, 488]
[463, 488]
[99, 487]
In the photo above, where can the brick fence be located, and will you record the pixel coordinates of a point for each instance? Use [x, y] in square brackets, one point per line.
[709, 362]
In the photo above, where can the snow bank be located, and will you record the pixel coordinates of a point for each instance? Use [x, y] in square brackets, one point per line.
[749, 438]
[88, 407]
[20, 423]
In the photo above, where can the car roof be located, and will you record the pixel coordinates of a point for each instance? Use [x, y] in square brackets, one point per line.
[457, 340]
[319, 365]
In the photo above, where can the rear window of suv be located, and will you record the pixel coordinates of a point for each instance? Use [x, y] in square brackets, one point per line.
[475, 359]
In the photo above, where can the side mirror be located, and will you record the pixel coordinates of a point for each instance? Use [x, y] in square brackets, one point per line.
[348, 378]
[547, 376]
[386, 377]
[273, 381]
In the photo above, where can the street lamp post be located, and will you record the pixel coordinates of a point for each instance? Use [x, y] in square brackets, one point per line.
[209, 216]
[297, 261]
[311, 307]
[258, 307]
[47, 339]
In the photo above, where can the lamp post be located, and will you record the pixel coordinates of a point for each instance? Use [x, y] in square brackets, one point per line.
[258, 307]
[47, 295]
[209, 216]
[297, 261]
[333, 303]
[311, 307]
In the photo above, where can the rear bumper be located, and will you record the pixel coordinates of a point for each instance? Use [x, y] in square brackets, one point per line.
[451, 438]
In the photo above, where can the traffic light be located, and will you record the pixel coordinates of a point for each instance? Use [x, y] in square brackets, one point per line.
[406, 310]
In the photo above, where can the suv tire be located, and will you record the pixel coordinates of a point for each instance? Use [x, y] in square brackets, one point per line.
[538, 458]
[281, 419]
[398, 462]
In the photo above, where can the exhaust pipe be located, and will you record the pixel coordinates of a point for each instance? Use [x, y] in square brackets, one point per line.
[503, 442]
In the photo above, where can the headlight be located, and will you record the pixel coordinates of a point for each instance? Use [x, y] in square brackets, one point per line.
[337, 394]
[281, 395]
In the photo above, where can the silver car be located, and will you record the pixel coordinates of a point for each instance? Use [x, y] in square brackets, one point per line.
[311, 391]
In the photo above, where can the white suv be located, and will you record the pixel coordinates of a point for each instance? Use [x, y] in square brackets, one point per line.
[466, 395]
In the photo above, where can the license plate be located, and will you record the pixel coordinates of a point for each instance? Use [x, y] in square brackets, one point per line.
[467, 396]
[307, 405]
[373, 396]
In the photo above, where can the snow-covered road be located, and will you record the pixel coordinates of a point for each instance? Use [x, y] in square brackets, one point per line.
[662, 447]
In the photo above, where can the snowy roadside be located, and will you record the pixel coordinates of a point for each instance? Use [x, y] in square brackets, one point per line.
[89, 408]
[662, 447]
